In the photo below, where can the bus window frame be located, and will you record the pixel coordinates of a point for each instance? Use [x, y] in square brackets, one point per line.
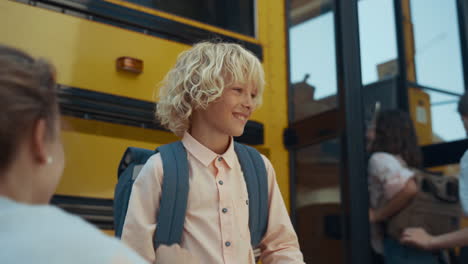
[253, 16]
[405, 84]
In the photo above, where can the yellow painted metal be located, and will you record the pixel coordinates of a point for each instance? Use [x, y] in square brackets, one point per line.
[273, 113]
[419, 100]
[110, 233]
[409, 41]
[84, 53]
[420, 111]
[93, 150]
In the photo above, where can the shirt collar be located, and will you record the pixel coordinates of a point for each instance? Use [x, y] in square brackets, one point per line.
[206, 155]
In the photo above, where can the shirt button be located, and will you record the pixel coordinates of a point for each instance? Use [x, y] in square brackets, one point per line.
[220, 158]
[221, 182]
[225, 210]
[247, 202]
[228, 244]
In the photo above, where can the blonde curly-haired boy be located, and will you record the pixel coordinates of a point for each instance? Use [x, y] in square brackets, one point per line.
[207, 99]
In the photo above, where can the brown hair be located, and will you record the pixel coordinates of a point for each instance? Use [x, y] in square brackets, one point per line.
[27, 94]
[395, 134]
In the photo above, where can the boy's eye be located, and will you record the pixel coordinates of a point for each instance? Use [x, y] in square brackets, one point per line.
[237, 89]
[253, 96]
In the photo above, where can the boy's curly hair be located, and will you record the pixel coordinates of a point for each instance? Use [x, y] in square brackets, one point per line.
[199, 78]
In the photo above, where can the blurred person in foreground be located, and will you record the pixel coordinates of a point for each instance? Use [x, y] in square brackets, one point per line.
[31, 165]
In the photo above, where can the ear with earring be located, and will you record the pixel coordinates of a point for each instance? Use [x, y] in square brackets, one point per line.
[49, 160]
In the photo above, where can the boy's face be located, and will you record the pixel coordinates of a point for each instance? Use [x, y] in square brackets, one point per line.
[229, 114]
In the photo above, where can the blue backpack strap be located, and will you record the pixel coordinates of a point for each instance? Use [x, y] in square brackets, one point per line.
[255, 175]
[133, 155]
[174, 194]
[129, 167]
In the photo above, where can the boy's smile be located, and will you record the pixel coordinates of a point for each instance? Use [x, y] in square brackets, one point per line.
[241, 116]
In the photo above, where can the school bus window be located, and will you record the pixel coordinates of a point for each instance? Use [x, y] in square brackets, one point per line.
[237, 16]
[312, 60]
[438, 64]
[377, 35]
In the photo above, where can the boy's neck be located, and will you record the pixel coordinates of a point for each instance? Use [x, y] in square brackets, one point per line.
[216, 142]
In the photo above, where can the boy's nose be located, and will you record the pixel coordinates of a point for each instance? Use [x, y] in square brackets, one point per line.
[248, 101]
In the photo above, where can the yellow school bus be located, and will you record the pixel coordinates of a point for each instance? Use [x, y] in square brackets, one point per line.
[110, 57]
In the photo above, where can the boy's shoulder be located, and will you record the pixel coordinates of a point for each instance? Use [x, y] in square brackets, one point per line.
[153, 164]
[268, 164]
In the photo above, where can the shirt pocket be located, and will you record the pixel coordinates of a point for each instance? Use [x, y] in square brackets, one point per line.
[241, 205]
[203, 195]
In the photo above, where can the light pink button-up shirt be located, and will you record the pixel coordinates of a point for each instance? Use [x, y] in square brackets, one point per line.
[216, 224]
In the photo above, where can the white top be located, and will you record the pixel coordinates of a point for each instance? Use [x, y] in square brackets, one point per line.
[45, 234]
[388, 175]
[463, 183]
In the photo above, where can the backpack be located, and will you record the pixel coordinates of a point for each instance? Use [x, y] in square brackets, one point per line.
[436, 206]
[175, 190]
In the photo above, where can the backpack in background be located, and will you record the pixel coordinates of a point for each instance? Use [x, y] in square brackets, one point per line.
[175, 190]
[436, 206]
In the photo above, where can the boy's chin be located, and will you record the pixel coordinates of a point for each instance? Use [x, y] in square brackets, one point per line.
[238, 133]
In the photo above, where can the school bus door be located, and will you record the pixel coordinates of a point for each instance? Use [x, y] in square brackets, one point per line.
[325, 136]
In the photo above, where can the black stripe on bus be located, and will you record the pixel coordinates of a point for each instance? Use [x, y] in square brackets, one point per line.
[444, 153]
[98, 212]
[111, 108]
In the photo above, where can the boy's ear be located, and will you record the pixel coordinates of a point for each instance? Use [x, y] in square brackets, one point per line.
[38, 141]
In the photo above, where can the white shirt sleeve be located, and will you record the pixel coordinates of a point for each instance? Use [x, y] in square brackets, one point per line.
[389, 172]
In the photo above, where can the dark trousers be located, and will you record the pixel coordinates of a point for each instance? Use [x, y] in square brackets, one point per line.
[397, 253]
